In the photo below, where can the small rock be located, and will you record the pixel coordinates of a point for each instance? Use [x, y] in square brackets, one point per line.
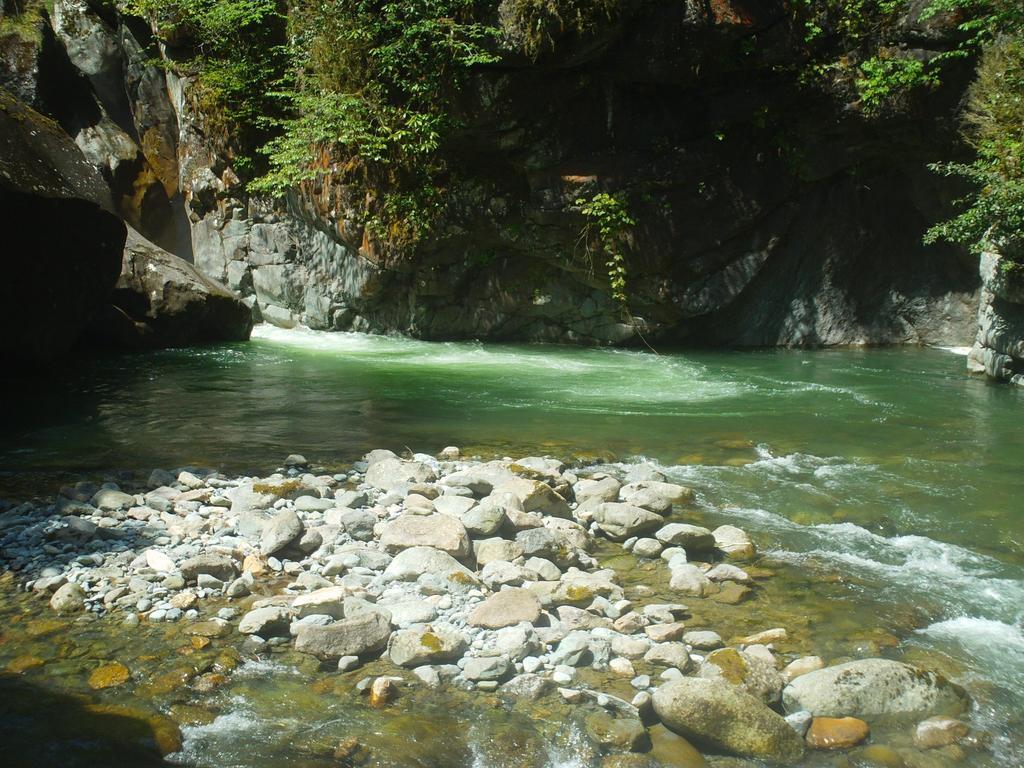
[837, 733]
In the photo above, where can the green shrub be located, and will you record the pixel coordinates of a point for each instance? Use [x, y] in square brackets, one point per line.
[373, 105]
[607, 229]
[535, 23]
[994, 211]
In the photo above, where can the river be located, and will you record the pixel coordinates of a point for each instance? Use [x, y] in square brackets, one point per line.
[885, 484]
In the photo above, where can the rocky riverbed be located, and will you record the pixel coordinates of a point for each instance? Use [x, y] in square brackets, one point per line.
[528, 583]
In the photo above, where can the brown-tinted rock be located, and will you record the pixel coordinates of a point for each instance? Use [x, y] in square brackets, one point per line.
[837, 732]
[109, 676]
[505, 609]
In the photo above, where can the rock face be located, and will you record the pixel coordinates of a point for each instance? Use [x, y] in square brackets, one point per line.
[62, 254]
[998, 351]
[871, 688]
[779, 244]
[161, 300]
[726, 718]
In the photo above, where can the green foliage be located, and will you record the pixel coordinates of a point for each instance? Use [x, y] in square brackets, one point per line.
[851, 42]
[883, 80]
[535, 23]
[980, 20]
[608, 227]
[239, 62]
[25, 21]
[374, 104]
[994, 212]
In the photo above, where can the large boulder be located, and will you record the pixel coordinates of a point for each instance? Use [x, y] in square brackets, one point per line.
[280, 531]
[726, 718]
[535, 496]
[362, 635]
[872, 688]
[161, 300]
[655, 496]
[441, 532]
[385, 474]
[426, 645]
[62, 249]
[622, 521]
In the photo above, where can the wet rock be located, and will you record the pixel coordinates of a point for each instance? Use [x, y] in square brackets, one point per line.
[486, 668]
[354, 636]
[802, 666]
[382, 691]
[69, 598]
[731, 593]
[430, 644]
[609, 731]
[727, 718]
[267, 622]
[939, 731]
[690, 537]
[505, 609]
[755, 675]
[280, 531]
[800, 722]
[669, 749]
[441, 532]
[776, 635]
[836, 733]
[663, 633]
[703, 640]
[109, 676]
[873, 687]
[881, 756]
[734, 542]
[621, 521]
[218, 566]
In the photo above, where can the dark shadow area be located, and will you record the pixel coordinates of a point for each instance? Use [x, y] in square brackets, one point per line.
[41, 728]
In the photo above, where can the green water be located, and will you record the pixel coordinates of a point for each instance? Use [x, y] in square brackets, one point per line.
[885, 485]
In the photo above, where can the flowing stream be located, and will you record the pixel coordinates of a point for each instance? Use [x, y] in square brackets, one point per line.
[885, 486]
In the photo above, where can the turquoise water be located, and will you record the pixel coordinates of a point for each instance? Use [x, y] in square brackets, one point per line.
[890, 468]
